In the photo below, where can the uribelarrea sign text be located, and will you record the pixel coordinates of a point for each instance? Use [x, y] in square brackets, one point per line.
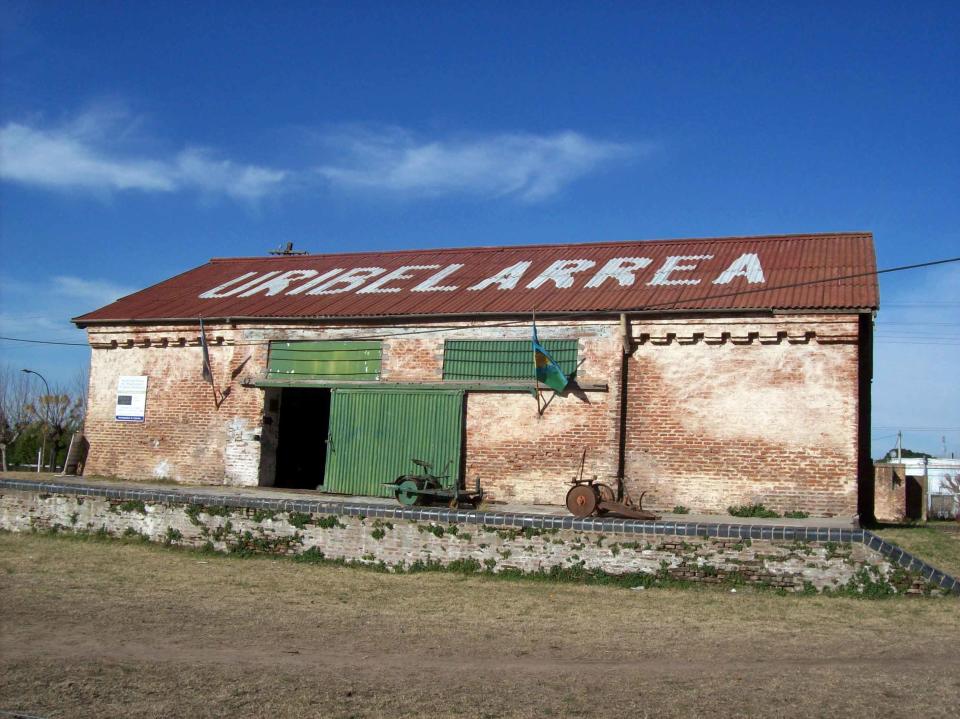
[564, 274]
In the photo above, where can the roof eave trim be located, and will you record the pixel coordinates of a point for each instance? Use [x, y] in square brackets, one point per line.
[232, 319]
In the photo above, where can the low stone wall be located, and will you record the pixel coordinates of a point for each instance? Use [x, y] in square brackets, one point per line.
[403, 539]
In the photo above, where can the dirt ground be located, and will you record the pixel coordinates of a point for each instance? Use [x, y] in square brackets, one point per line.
[107, 629]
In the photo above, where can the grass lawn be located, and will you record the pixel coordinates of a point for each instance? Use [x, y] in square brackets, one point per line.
[113, 629]
[937, 543]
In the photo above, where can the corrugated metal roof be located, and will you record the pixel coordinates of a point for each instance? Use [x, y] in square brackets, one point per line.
[817, 272]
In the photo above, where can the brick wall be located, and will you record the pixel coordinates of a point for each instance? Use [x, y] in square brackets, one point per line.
[720, 412]
[189, 434]
[407, 359]
[736, 412]
[890, 492]
[520, 455]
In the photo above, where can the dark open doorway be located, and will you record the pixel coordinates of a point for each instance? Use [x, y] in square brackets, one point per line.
[914, 508]
[301, 441]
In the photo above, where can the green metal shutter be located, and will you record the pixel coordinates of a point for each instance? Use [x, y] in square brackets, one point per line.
[502, 359]
[325, 360]
[375, 433]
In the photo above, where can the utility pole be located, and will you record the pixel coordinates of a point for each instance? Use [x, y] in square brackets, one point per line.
[899, 447]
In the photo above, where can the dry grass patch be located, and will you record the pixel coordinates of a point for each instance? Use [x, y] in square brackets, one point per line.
[112, 629]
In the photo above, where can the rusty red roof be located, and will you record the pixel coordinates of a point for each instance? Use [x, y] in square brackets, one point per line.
[815, 272]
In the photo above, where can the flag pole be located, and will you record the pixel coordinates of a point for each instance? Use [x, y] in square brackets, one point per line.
[533, 348]
[207, 370]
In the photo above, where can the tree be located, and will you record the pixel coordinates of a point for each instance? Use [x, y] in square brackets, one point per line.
[15, 400]
[951, 484]
[80, 386]
[891, 455]
[29, 420]
[56, 415]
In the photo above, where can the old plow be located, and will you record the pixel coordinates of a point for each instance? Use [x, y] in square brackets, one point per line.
[588, 497]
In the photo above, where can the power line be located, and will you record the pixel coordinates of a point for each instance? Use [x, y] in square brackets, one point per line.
[914, 324]
[921, 304]
[919, 340]
[45, 342]
[925, 344]
[931, 332]
[917, 336]
[594, 313]
[880, 339]
[737, 293]
[918, 429]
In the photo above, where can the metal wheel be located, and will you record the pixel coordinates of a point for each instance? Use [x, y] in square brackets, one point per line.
[605, 493]
[582, 500]
[407, 494]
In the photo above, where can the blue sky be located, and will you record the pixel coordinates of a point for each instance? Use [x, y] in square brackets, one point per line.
[140, 139]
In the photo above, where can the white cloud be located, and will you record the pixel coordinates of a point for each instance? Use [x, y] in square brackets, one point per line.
[197, 168]
[102, 151]
[98, 292]
[34, 325]
[530, 167]
[42, 309]
[74, 157]
[59, 160]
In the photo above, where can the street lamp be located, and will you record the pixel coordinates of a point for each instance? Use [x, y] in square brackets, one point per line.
[43, 445]
[30, 371]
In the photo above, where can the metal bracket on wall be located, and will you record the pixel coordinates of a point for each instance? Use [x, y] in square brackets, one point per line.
[475, 386]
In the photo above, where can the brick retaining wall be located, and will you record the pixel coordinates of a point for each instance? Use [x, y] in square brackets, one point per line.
[790, 558]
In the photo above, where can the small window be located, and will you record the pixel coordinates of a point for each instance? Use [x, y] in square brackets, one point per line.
[347, 361]
[502, 359]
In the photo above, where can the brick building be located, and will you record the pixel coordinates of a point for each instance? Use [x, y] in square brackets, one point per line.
[709, 372]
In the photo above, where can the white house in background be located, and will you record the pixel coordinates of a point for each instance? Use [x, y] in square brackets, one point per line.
[940, 472]
[943, 478]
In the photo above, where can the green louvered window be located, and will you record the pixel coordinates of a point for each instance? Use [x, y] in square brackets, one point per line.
[502, 359]
[348, 361]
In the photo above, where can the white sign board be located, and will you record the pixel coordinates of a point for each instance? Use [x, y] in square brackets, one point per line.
[131, 399]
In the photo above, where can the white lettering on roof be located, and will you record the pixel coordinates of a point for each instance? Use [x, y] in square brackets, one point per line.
[746, 265]
[621, 269]
[401, 273]
[218, 290]
[315, 281]
[431, 283]
[279, 283]
[505, 279]
[561, 273]
[351, 280]
[672, 264]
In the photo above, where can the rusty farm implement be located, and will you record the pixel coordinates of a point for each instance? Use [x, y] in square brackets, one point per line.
[588, 497]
